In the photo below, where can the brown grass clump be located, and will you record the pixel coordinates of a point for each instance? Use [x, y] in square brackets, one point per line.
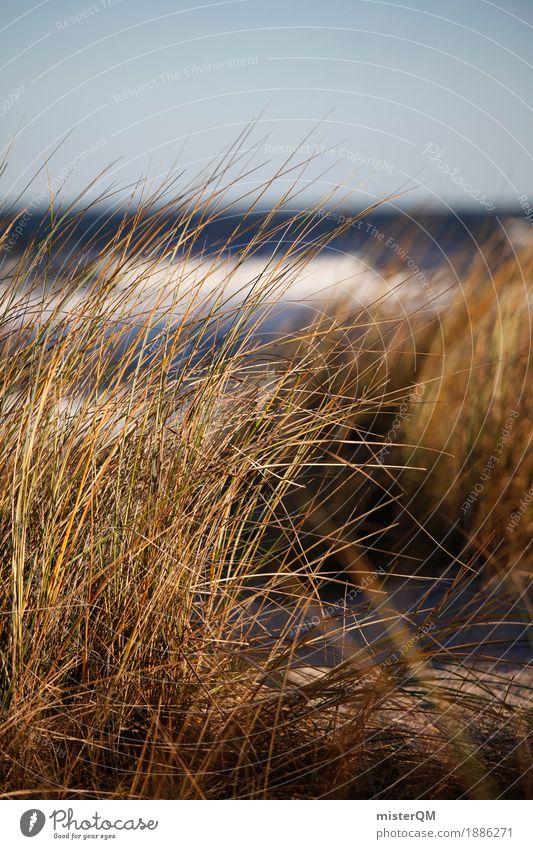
[476, 415]
[158, 487]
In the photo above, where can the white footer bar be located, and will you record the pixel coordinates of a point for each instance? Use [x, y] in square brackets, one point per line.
[266, 825]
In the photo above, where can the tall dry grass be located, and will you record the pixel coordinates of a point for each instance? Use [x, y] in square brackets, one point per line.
[159, 487]
[476, 416]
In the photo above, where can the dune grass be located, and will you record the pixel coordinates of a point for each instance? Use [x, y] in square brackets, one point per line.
[156, 488]
[478, 410]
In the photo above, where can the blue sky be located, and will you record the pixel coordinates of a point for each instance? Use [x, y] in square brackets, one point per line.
[433, 97]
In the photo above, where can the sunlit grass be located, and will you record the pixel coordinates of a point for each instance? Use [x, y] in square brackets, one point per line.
[159, 487]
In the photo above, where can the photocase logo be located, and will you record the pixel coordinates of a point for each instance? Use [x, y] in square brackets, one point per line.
[32, 822]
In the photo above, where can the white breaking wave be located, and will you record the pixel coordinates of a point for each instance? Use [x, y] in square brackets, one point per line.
[165, 290]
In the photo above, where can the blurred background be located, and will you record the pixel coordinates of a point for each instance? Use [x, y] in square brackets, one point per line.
[426, 99]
